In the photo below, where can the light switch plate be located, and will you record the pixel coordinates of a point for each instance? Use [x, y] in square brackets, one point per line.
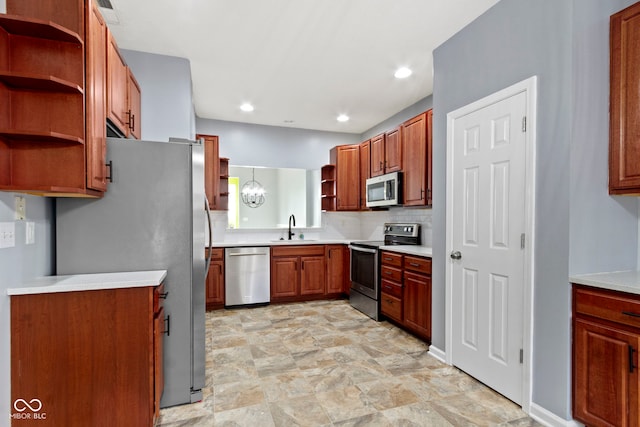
[7, 234]
[21, 208]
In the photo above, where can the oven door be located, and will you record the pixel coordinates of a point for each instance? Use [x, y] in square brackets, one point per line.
[364, 271]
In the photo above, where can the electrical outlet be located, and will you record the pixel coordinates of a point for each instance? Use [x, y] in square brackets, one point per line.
[7, 234]
[21, 208]
[30, 237]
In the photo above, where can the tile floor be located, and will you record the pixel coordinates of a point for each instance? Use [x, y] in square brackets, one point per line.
[326, 364]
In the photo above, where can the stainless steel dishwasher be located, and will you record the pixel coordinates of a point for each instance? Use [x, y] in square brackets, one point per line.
[247, 276]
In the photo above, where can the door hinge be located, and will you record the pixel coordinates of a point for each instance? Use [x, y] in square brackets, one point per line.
[521, 356]
[524, 124]
[522, 241]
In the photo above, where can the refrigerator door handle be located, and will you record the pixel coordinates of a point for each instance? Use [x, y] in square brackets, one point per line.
[209, 254]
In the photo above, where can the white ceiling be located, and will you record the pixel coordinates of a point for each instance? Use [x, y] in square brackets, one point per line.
[305, 61]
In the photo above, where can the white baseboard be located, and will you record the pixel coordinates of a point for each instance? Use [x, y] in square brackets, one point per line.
[547, 418]
[437, 353]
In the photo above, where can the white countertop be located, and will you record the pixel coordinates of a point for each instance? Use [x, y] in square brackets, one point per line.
[623, 281]
[410, 250]
[90, 282]
[425, 251]
[280, 243]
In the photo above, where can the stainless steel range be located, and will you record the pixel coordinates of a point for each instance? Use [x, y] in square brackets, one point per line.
[365, 266]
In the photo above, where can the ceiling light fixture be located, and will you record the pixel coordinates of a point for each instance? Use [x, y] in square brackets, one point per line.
[402, 73]
[253, 193]
[246, 107]
[343, 118]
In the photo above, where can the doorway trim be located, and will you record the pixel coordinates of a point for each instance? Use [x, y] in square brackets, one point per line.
[529, 87]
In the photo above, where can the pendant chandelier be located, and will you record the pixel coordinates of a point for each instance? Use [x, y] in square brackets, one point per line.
[253, 193]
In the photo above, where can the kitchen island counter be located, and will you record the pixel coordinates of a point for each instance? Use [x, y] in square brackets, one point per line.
[90, 282]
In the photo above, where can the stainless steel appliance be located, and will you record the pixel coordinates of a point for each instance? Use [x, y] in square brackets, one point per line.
[151, 218]
[247, 276]
[365, 266]
[384, 190]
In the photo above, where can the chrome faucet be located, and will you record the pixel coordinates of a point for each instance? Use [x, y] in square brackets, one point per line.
[291, 217]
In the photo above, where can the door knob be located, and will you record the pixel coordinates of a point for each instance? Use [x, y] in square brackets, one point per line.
[456, 255]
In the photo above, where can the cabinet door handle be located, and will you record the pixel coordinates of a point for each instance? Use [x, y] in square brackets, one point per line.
[631, 365]
[110, 166]
[631, 313]
[167, 329]
[303, 265]
[380, 165]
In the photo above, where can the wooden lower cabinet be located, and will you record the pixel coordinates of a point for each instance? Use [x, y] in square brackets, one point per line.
[606, 341]
[297, 271]
[406, 292]
[90, 358]
[215, 280]
[337, 258]
[308, 272]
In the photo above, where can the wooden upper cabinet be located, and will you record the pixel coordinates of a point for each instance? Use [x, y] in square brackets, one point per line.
[393, 150]
[117, 84]
[624, 128]
[347, 161]
[377, 155]
[365, 171]
[416, 142]
[96, 115]
[44, 148]
[386, 152]
[212, 171]
[134, 124]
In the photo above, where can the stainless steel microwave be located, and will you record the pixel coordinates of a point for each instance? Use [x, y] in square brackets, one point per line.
[384, 190]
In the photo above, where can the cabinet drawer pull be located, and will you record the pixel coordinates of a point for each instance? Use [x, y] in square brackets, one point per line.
[163, 295]
[631, 313]
[167, 329]
[414, 264]
[388, 259]
[388, 272]
[631, 365]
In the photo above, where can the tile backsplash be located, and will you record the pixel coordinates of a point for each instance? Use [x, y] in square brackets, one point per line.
[335, 226]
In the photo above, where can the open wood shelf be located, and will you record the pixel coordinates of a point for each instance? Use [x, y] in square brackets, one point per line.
[24, 135]
[23, 26]
[39, 82]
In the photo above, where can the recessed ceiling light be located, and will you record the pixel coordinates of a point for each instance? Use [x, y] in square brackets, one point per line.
[343, 118]
[402, 73]
[246, 107]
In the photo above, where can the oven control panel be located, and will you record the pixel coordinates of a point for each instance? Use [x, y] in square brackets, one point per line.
[407, 230]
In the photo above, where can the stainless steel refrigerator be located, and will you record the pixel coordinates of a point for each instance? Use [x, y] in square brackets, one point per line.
[152, 217]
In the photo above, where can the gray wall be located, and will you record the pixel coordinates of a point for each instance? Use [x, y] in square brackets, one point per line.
[18, 264]
[604, 229]
[167, 102]
[411, 111]
[552, 39]
[273, 146]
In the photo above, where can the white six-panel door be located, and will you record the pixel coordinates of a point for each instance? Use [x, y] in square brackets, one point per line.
[487, 244]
